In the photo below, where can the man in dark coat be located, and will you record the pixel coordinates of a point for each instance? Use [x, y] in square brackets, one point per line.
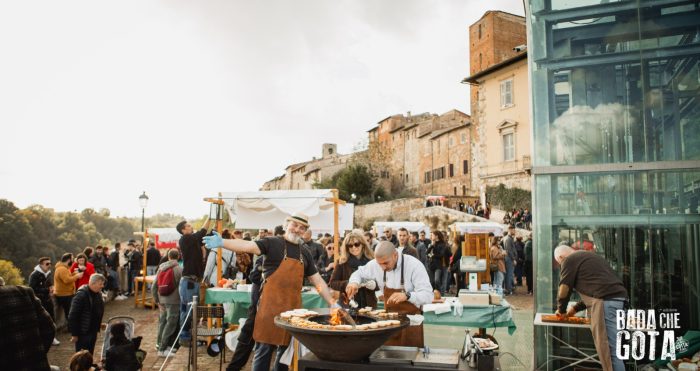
[86, 311]
[41, 281]
[27, 330]
[314, 247]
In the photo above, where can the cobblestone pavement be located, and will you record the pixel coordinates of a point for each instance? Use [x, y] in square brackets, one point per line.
[518, 345]
[146, 326]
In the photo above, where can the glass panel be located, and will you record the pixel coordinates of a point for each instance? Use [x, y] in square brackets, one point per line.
[569, 4]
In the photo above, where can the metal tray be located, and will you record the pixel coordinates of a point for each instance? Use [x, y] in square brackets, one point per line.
[393, 354]
[438, 357]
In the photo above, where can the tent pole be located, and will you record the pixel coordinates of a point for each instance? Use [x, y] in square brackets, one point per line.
[219, 228]
[336, 233]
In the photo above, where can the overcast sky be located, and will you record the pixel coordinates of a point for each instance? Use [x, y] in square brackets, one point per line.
[100, 101]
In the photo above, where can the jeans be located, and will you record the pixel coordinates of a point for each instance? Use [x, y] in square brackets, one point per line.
[187, 290]
[442, 282]
[112, 280]
[263, 355]
[167, 324]
[519, 273]
[150, 271]
[498, 281]
[86, 342]
[509, 275]
[132, 274]
[611, 307]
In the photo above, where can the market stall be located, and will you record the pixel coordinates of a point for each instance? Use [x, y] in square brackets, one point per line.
[476, 244]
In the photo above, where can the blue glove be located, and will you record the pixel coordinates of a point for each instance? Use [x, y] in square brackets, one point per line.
[214, 241]
[335, 305]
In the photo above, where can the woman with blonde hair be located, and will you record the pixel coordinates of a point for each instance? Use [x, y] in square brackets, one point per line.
[354, 253]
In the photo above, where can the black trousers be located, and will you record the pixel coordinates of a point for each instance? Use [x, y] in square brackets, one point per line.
[64, 302]
[245, 340]
[86, 342]
[48, 306]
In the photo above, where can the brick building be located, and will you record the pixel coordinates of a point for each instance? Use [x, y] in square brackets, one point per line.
[491, 41]
[499, 101]
[427, 153]
[303, 175]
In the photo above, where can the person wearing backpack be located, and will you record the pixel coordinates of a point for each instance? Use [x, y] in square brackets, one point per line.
[168, 298]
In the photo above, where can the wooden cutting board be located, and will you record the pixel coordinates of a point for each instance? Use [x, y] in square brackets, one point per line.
[572, 320]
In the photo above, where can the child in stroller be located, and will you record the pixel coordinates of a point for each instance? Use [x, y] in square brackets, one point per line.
[120, 350]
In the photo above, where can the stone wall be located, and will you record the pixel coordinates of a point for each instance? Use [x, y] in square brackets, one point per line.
[396, 210]
[441, 217]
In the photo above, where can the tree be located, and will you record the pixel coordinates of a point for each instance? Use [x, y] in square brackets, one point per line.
[10, 273]
[354, 179]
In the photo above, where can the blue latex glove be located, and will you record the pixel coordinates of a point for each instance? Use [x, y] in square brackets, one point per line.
[214, 241]
[335, 305]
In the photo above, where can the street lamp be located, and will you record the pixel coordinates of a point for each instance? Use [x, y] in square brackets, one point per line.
[143, 201]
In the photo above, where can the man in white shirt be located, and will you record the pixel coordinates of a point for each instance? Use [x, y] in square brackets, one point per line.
[405, 284]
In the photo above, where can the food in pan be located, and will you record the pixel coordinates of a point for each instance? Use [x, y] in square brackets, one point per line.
[561, 319]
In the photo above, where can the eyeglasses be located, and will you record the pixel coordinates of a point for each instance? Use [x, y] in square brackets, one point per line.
[355, 245]
[47, 264]
[329, 248]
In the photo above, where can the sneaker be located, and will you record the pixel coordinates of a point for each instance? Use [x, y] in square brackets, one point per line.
[55, 341]
[157, 346]
[174, 350]
[120, 297]
[162, 353]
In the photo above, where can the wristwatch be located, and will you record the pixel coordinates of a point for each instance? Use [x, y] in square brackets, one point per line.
[408, 295]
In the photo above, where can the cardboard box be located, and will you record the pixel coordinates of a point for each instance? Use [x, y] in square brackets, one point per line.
[473, 299]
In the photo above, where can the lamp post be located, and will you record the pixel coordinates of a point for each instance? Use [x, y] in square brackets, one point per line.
[143, 201]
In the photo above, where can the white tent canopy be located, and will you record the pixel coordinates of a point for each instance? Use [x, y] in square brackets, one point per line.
[379, 227]
[479, 227]
[266, 209]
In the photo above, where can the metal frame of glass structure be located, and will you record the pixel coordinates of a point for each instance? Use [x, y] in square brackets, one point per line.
[616, 147]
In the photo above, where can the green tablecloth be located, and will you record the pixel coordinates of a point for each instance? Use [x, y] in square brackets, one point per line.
[240, 301]
[480, 317]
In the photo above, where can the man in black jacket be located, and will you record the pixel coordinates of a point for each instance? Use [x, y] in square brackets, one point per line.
[193, 258]
[27, 330]
[41, 281]
[86, 311]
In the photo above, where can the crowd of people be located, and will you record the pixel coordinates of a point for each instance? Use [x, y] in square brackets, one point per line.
[520, 218]
[76, 288]
[80, 284]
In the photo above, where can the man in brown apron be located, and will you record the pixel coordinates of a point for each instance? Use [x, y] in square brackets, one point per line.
[286, 263]
[406, 287]
[601, 291]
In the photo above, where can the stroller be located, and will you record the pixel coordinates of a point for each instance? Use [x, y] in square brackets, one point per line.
[129, 324]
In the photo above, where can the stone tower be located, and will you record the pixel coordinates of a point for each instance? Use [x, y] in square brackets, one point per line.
[329, 149]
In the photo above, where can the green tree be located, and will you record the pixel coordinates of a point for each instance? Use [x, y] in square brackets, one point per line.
[354, 179]
[17, 240]
[10, 273]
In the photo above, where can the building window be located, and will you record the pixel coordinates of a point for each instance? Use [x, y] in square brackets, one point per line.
[406, 178]
[464, 138]
[452, 170]
[508, 147]
[465, 167]
[426, 177]
[507, 93]
[481, 59]
[479, 32]
[439, 173]
[464, 190]
[384, 174]
[451, 141]
[455, 191]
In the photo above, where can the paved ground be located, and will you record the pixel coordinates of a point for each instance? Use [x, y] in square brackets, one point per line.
[513, 347]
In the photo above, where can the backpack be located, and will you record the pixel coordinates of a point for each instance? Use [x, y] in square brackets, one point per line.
[166, 282]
